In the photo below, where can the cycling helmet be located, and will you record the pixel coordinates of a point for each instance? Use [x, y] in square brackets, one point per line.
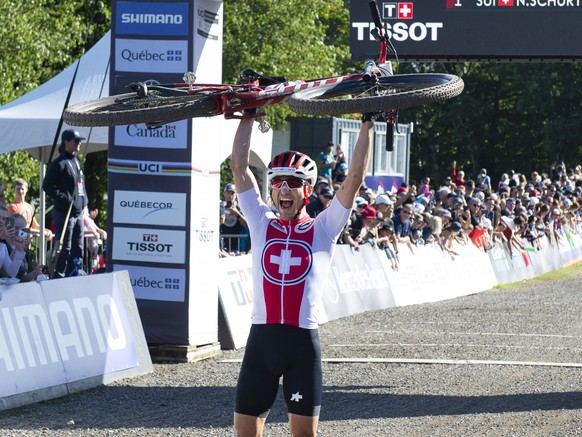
[293, 163]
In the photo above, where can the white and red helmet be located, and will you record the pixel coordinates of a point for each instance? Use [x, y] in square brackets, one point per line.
[295, 164]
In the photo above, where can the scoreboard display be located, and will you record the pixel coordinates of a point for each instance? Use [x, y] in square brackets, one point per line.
[461, 30]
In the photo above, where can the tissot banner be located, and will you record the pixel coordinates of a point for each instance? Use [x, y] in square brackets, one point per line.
[162, 180]
[472, 29]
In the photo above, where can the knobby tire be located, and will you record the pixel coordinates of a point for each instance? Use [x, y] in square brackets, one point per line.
[128, 108]
[391, 92]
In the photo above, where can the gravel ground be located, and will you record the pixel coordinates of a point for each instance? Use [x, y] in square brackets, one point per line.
[498, 363]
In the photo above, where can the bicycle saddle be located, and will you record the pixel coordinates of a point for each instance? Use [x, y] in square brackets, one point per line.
[249, 75]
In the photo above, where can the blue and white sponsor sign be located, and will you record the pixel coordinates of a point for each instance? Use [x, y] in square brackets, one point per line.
[149, 245]
[145, 18]
[151, 56]
[150, 208]
[66, 335]
[173, 135]
[153, 283]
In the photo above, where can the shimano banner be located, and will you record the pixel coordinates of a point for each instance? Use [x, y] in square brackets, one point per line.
[62, 336]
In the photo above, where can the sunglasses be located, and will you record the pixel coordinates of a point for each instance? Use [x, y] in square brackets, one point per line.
[291, 183]
[405, 212]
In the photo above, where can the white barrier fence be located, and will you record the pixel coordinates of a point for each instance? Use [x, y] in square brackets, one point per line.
[364, 280]
[66, 335]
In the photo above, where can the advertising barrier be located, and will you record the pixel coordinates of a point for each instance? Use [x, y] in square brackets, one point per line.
[66, 335]
[364, 280]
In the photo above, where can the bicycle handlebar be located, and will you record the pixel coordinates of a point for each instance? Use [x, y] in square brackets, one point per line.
[375, 13]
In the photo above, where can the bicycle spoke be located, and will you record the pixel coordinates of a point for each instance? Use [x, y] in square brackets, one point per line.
[400, 91]
[151, 101]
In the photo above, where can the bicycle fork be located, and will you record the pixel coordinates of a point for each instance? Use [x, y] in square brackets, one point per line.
[371, 72]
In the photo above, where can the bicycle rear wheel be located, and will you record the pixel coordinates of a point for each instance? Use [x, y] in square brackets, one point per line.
[390, 92]
[130, 109]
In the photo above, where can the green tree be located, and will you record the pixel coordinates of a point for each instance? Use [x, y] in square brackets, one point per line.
[510, 116]
[19, 165]
[39, 39]
[297, 39]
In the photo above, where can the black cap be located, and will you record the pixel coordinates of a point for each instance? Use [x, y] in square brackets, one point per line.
[326, 192]
[71, 135]
[387, 225]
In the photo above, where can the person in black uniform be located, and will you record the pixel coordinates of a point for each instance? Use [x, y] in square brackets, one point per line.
[65, 184]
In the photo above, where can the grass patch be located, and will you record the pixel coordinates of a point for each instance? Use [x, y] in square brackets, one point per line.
[566, 273]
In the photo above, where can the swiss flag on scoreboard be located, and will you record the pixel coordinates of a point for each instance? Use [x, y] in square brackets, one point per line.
[405, 10]
[505, 3]
[452, 4]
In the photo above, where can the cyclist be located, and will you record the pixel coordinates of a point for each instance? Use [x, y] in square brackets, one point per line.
[291, 260]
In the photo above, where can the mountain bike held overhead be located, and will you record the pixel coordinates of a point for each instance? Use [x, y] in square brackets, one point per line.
[374, 89]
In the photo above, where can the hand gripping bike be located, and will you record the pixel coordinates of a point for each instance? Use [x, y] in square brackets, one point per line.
[376, 89]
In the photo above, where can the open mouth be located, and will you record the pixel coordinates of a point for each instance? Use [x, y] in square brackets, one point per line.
[286, 204]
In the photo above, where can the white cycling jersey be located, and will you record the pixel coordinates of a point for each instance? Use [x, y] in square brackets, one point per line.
[291, 261]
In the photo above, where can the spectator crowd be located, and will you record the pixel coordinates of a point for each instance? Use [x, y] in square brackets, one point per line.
[517, 211]
[21, 237]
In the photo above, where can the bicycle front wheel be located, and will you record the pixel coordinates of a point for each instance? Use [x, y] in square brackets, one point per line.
[130, 109]
[390, 92]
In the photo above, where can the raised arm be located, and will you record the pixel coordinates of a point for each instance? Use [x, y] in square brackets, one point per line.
[359, 160]
[239, 161]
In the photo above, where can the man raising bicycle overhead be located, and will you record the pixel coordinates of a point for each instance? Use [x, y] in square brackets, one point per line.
[291, 261]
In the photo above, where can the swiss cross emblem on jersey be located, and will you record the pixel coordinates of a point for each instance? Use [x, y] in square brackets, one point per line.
[405, 11]
[286, 261]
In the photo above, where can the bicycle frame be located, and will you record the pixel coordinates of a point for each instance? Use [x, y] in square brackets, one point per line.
[376, 89]
[231, 98]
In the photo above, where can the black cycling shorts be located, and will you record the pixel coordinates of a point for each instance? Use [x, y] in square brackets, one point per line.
[273, 351]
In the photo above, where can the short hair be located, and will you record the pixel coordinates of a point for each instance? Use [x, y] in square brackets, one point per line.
[19, 216]
[19, 181]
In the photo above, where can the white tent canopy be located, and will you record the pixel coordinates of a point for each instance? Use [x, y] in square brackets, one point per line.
[31, 121]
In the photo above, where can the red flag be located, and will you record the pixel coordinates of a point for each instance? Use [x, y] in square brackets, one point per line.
[453, 3]
[525, 258]
[475, 237]
[405, 11]
[505, 2]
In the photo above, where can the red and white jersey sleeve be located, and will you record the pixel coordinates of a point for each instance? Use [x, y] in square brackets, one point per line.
[291, 261]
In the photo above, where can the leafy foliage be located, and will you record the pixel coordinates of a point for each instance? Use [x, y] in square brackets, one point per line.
[40, 38]
[297, 39]
[19, 165]
[510, 116]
